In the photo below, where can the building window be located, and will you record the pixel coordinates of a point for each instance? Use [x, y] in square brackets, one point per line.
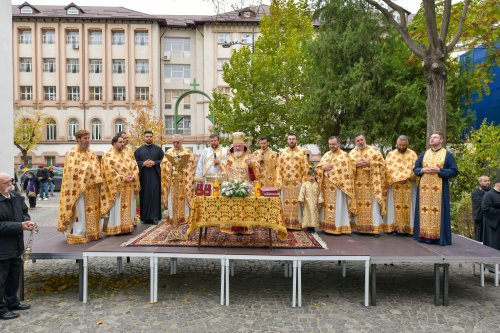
[50, 129]
[73, 93]
[220, 64]
[73, 127]
[224, 90]
[141, 38]
[141, 93]
[119, 126]
[50, 160]
[26, 93]
[183, 128]
[118, 93]
[247, 38]
[177, 44]
[96, 129]
[118, 37]
[118, 66]
[72, 38]
[49, 93]
[95, 37]
[49, 65]
[223, 37]
[26, 10]
[95, 93]
[141, 66]
[177, 71]
[72, 65]
[72, 11]
[25, 65]
[171, 96]
[48, 36]
[24, 36]
[95, 66]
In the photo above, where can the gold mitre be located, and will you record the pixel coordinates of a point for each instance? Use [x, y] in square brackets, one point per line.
[238, 137]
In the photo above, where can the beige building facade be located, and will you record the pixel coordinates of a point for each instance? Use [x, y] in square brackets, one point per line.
[84, 67]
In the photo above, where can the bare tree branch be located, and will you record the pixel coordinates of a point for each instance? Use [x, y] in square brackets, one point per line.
[430, 23]
[445, 23]
[402, 29]
[455, 39]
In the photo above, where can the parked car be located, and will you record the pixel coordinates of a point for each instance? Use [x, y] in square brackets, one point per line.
[58, 173]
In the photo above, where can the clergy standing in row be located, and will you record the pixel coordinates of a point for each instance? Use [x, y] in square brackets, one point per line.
[79, 208]
[369, 187]
[335, 178]
[177, 169]
[401, 188]
[491, 216]
[211, 160]
[148, 157]
[292, 171]
[435, 167]
[266, 162]
[118, 190]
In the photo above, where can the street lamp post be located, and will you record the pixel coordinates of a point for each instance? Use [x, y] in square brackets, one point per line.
[227, 45]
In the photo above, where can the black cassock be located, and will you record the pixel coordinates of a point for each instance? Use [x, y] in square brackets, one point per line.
[491, 219]
[150, 178]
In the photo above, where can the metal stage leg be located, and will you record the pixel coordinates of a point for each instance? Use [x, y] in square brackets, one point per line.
[299, 282]
[496, 275]
[222, 279]
[128, 260]
[367, 283]
[294, 284]
[344, 270]
[119, 265]
[373, 289]
[173, 266]
[481, 274]
[155, 261]
[290, 270]
[231, 266]
[286, 269]
[20, 291]
[80, 279]
[85, 279]
[437, 283]
[151, 280]
[446, 270]
[227, 281]
[473, 269]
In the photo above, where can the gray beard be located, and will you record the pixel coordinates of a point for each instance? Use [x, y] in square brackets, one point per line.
[238, 153]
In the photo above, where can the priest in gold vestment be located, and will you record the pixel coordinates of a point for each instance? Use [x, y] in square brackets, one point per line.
[292, 171]
[310, 201]
[401, 188]
[177, 181]
[240, 165]
[435, 167]
[79, 208]
[119, 188]
[335, 178]
[369, 187]
[266, 162]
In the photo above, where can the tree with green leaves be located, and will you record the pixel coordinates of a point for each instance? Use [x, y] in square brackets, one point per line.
[361, 79]
[268, 83]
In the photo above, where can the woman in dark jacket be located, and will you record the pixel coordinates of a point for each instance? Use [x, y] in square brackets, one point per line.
[31, 185]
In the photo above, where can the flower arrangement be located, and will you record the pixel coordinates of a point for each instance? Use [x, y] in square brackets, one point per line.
[236, 188]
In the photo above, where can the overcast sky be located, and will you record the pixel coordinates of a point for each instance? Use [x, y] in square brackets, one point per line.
[175, 7]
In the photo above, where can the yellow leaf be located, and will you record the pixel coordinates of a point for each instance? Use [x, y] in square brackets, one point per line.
[100, 322]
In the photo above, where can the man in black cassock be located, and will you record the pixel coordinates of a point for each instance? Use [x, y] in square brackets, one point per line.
[148, 157]
[477, 200]
[491, 216]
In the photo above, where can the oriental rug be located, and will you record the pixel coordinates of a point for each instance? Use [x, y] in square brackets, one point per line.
[156, 235]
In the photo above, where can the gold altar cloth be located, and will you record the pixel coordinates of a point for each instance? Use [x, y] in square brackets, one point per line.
[259, 212]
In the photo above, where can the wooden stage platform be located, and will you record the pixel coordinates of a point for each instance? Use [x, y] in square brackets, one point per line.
[366, 249]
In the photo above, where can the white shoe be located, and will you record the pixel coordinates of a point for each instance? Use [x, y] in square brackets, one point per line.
[39, 199]
[45, 199]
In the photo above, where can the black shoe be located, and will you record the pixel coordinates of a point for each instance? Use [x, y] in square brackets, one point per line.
[20, 306]
[9, 315]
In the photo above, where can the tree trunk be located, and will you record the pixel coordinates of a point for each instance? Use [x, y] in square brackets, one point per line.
[435, 73]
[25, 156]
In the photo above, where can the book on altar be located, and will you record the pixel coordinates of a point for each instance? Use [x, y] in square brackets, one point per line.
[199, 189]
[269, 192]
[207, 191]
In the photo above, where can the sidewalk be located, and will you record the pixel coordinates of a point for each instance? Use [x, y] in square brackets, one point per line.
[260, 298]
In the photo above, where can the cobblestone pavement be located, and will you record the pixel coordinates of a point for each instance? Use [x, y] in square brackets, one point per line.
[260, 298]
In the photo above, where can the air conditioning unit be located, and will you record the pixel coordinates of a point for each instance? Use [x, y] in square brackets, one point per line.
[75, 46]
[166, 56]
[71, 138]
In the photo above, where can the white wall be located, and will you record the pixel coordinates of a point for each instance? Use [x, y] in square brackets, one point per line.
[6, 90]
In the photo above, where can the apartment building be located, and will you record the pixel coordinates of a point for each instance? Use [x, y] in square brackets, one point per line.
[84, 67]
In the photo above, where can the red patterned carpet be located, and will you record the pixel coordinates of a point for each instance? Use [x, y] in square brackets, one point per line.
[156, 235]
